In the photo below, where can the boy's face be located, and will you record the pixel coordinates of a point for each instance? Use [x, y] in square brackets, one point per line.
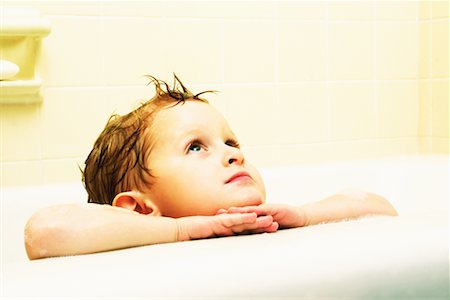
[197, 165]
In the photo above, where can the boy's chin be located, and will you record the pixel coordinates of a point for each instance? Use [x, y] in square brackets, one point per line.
[253, 200]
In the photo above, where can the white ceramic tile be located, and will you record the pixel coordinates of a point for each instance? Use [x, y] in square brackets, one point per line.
[21, 173]
[425, 49]
[279, 155]
[249, 110]
[351, 10]
[396, 10]
[302, 10]
[239, 10]
[353, 111]
[425, 108]
[440, 49]
[440, 9]
[302, 113]
[132, 48]
[424, 9]
[397, 50]
[72, 118]
[193, 48]
[87, 8]
[441, 146]
[351, 50]
[156, 9]
[302, 51]
[249, 51]
[440, 108]
[61, 171]
[20, 132]
[71, 55]
[398, 109]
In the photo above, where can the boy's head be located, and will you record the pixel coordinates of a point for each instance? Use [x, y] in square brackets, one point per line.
[175, 156]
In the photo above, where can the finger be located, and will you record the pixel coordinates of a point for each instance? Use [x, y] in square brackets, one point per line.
[229, 220]
[236, 210]
[264, 209]
[221, 211]
[273, 227]
[261, 222]
[247, 209]
[270, 229]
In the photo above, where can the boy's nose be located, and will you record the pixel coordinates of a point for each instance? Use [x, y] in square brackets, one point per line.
[234, 156]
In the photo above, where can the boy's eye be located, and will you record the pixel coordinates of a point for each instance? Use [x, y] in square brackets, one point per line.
[195, 147]
[232, 143]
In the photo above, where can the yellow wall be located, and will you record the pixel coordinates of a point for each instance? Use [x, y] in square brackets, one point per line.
[434, 76]
[300, 81]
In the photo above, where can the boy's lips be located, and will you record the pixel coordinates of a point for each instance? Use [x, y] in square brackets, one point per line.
[239, 176]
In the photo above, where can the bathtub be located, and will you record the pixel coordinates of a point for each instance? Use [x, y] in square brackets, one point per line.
[370, 258]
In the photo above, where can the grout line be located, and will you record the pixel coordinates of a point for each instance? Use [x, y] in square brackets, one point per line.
[278, 101]
[327, 74]
[277, 53]
[221, 83]
[62, 159]
[375, 77]
[102, 29]
[41, 145]
[429, 75]
[339, 141]
[419, 63]
[230, 19]
[221, 56]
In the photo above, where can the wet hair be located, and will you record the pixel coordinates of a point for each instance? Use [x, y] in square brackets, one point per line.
[118, 161]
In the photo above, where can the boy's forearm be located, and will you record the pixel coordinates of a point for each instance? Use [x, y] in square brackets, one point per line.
[345, 206]
[80, 229]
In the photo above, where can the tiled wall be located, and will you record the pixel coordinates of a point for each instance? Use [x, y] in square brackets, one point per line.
[434, 76]
[299, 81]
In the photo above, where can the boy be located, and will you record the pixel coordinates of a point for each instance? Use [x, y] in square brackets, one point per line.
[172, 170]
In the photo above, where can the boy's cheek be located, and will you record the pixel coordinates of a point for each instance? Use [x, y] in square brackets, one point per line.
[259, 181]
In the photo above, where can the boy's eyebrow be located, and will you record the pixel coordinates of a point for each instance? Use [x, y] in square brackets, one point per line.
[188, 133]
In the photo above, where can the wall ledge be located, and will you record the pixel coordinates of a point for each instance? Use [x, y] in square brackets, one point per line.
[20, 91]
[22, 22]
[20, 32]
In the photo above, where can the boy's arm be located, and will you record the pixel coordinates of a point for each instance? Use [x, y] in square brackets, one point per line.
[334, 208]
[80, 229]
[346, 206]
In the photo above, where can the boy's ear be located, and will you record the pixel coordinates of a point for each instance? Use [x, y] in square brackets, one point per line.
[137, 202]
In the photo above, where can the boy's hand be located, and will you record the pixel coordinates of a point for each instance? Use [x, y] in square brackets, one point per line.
[199, 227]
[287, 216]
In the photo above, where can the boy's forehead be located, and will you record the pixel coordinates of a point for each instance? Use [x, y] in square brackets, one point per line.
[189, 116]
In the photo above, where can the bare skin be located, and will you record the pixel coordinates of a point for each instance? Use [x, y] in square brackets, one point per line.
[204, 187]
[116, 228]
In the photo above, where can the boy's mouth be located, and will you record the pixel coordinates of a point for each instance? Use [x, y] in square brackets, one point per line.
[239, 177]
